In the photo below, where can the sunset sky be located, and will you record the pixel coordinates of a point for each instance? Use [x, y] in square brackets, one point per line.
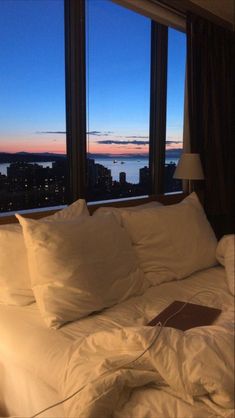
[32, 100]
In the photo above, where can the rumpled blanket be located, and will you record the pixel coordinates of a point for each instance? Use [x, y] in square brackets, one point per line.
[106, 367]
[225, 254]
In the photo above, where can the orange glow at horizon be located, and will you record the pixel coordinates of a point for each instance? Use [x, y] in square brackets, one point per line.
[56, 143]
[34, 144]
[116, 149]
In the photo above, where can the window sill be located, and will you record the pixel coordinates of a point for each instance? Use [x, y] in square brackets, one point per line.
[166, 199]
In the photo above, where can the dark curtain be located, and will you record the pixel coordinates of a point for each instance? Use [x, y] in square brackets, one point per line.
[210, 68]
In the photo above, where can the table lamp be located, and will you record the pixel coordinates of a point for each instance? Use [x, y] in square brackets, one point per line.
[189, 168]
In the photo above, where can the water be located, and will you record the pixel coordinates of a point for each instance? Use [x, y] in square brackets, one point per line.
[4, 166]
[130, 166]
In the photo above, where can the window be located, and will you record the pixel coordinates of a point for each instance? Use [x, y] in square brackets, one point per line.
[118, 96]
[124, 103]
[118, 103]
[32, 105]
[175, 107]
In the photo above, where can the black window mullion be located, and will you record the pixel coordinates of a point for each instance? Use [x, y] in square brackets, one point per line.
[158, 93]
[75, 96]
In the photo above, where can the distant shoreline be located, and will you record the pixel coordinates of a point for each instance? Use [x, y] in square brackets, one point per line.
[129, 165]
[6, 158]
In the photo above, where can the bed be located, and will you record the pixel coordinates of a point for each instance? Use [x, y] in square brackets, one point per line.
[114, 365]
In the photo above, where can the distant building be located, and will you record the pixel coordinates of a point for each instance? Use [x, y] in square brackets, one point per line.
[144, 176]
[30, 185]
[3, 179]
[98, 175]
[59, 168]
[122, 178]
[91, 172]
[24, 176]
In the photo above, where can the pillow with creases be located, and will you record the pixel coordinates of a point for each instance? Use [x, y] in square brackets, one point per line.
[117, 212]
[79, 267]
[15, 285]
[225, 254]
[172, 241]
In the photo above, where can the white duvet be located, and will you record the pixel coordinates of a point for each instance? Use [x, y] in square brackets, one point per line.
[104, 371]
[182, 375]
[189, 365]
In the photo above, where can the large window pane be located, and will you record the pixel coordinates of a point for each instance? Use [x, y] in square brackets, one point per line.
[32, 104]
[175, 106]
[118, 90]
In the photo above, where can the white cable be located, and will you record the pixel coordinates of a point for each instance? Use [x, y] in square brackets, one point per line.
[125, 364]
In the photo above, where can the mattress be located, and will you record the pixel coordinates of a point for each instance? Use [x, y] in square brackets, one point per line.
[31, 354]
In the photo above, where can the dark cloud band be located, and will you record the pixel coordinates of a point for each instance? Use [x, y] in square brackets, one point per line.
[51, 132]
[113, 141]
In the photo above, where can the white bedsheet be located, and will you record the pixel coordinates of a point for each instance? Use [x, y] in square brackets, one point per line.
[21, 393]
[26, 343]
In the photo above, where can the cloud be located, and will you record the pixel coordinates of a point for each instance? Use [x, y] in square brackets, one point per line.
[97, 133]
[172, 150]
[94, 133]
[107, 133]
[100, 133]
[51, 132]
[136, 136]
[173, 142]
[113, 141]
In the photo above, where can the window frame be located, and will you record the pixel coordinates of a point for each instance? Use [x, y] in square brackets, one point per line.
[75, 85]
[75, 47]
[75, 74]
[158, 97]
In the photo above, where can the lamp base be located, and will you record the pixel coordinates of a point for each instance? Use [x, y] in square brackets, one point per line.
[190, 186]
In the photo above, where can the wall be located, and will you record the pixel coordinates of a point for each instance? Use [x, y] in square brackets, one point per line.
[222, 8]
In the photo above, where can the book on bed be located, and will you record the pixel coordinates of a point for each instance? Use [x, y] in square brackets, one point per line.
[190, 316]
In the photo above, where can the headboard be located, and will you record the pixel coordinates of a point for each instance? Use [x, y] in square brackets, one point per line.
[167, 199]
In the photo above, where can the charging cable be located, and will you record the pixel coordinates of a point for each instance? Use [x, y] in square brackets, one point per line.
[156, 336]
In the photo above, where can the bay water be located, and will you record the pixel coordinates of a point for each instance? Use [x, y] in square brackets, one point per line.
[128, 165]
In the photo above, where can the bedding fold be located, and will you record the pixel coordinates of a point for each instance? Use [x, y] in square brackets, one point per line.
[225, 254]
[112, 337]
[191, 365]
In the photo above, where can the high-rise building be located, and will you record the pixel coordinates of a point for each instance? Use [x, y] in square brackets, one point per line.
[122, 177]
[144, 176]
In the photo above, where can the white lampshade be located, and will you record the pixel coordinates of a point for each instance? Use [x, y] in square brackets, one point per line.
[189, 167]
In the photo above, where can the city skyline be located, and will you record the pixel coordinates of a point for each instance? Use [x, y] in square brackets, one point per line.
[29, 185]
[32, 106]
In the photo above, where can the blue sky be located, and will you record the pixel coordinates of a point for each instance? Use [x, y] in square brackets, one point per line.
[31, 73]
[32, 86]
[118, 55]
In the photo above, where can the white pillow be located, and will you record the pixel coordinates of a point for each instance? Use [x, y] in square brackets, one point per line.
[79, 267]
[77, 208]
[15, 285]
[225, 254]
[117, 212]
[172, 241]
